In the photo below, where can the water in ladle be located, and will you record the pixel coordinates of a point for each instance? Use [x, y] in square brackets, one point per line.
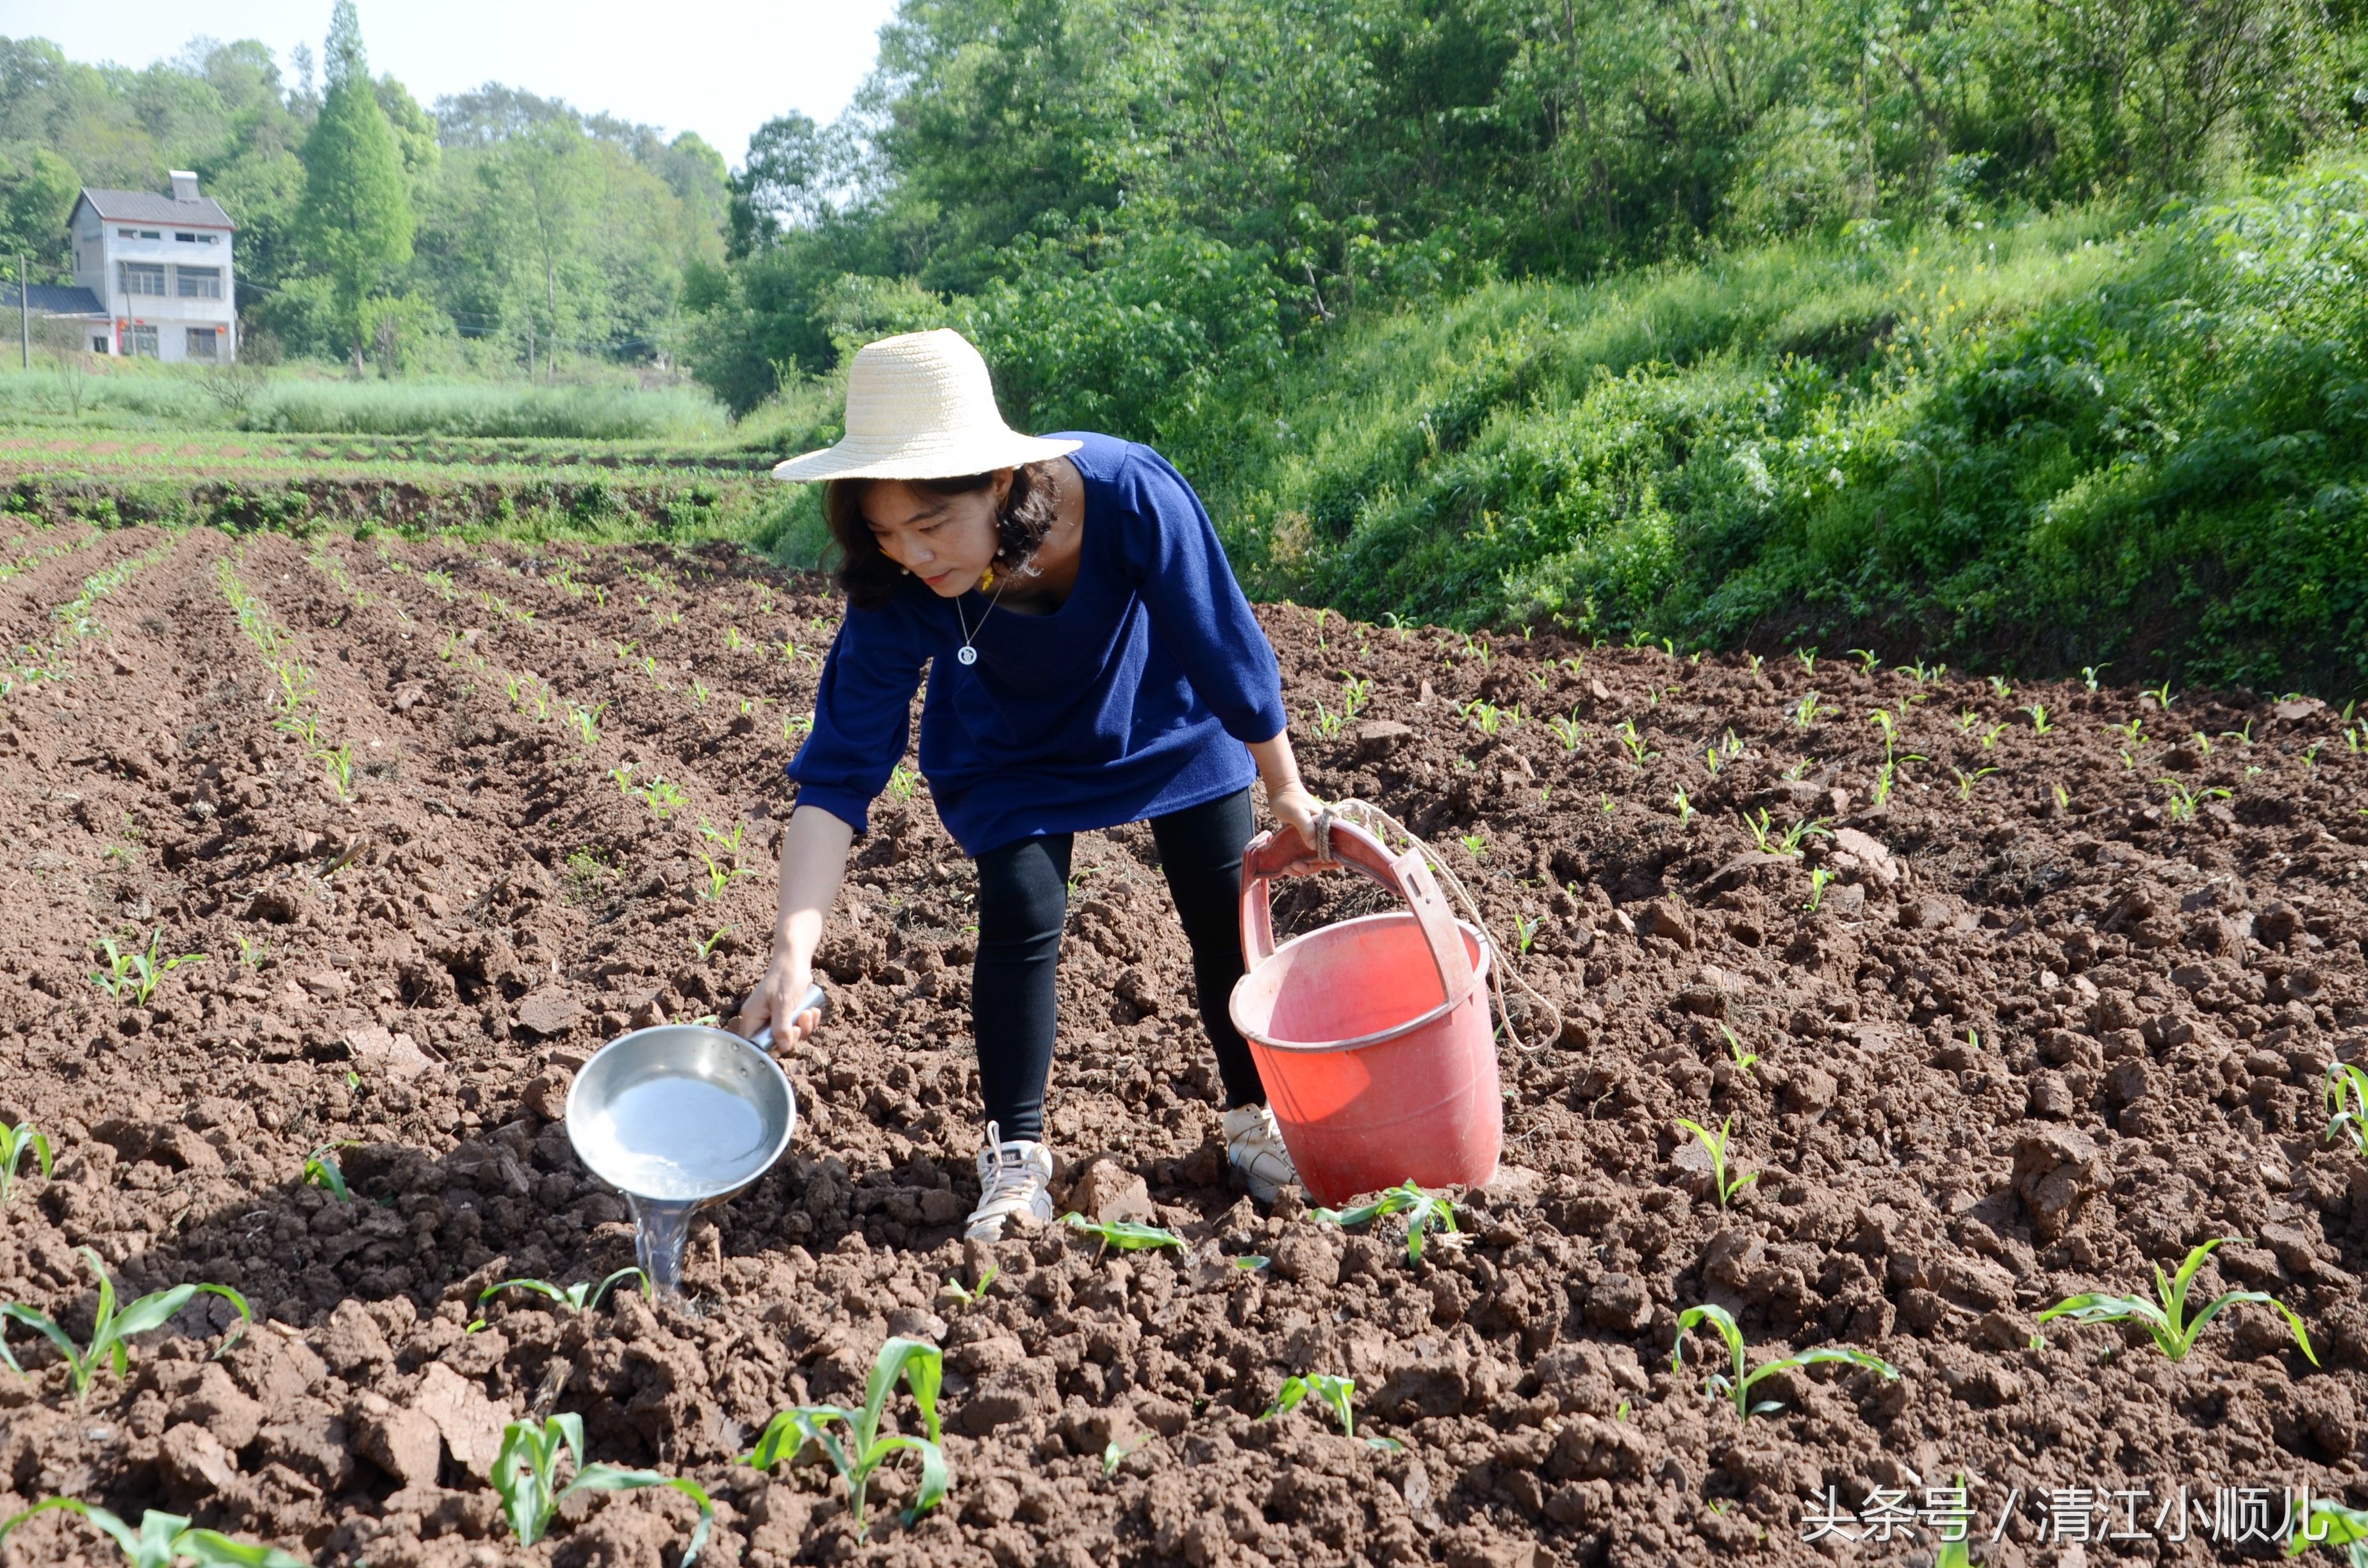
[672, 1144]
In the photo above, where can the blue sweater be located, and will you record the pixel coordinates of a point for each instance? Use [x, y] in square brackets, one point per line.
[1134, 698]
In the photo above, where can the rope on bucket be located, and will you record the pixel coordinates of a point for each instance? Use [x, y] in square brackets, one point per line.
[1367, 815]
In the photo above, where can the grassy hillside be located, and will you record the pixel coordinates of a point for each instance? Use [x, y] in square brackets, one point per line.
[2069, 442]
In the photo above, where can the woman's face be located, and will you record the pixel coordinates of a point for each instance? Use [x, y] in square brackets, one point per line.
[947, 541]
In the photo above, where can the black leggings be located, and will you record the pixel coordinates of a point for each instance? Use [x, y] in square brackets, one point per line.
[1023, 901]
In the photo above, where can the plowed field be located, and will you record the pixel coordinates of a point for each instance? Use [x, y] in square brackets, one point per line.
[2062, 1009]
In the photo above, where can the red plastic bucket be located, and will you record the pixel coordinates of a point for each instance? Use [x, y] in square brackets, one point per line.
[1372, 1036]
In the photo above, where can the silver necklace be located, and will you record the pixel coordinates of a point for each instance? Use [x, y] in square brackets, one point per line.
[966, 654]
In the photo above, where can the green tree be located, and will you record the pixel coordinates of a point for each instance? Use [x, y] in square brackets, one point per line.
[356, 219]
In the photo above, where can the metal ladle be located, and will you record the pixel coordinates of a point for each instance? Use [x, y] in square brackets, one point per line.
[679, 1117]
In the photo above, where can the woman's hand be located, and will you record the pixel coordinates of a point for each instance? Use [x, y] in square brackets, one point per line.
[786, 978]
[1296, 809]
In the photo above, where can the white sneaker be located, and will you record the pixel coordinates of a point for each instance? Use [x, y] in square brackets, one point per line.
[1015, 1181]
[1254, 1144]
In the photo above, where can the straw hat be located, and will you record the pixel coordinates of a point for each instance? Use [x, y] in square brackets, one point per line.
[920, 406]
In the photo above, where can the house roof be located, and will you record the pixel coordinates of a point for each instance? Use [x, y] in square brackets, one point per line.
[152, 207]
[52, 300]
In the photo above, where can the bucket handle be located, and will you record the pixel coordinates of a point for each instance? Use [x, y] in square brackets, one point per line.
[1282, 853]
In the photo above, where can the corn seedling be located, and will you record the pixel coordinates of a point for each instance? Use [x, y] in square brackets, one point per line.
[1525, 928]
[2038, 712]
[2161, 695]
[1638, 755]
[698, 691]
[1488, 715]
[321, 1170]
[585, 720]
[1990, 736]
[2089, 673]
[971, 1296]
[1329, 724]
[1355, 692]
[134, 976]
[111, 1330]
[902, 782]
[1686, 812]
[1867, 661]
[1808, 657]
[1817, 880]
[721, 874]
[580, 1298]
[1335, 1393]
[2242, 734]
[1114, 1453]
[1123, 1234]
[1612, 806]
[1422, 1210]
[1753, 661]
[922, 1368]
[1475, 844]
[1806, 711]
[23, 1139]
[795, 724]
[1742, 1059]
[2310, 755]
[2183, 800]
[526, 1478]
[1800, 769]
[732, 640]
[337, 763]
[1966, 719]
[161, 1540]
[1566, 731]
[2345, 1094]
[1716, 1144]
[2166, 1321]
[1965, 781]
[1885, 780]
[707, 949]
[1737, 1384]
[2329, 1523]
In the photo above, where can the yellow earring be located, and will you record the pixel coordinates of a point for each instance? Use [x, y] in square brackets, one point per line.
[988, 580]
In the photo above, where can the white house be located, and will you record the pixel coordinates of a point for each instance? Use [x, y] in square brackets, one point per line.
[160, 267]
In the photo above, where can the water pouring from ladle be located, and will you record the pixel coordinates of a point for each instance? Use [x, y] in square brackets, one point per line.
[679, 1117]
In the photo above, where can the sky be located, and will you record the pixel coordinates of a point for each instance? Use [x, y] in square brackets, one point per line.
[719, 67]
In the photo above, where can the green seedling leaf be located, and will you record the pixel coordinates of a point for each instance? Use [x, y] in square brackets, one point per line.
[111, 1330]
[1422, 1210]
[1124, 1236]
[320, 1170]
[2166, 1320]
[968, 1296]
[162, 1540]
[1737, 1384]
[921, 1368]
[578, 1299]
[15, 1142]
[1717, 1143]
[526, 1478]
[2345, 1094]
[2329, 1523]
[1336, 1394]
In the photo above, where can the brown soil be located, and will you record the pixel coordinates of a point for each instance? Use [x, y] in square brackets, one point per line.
[2153, 1003]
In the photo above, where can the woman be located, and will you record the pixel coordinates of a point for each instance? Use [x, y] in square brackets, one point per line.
[1092, 662]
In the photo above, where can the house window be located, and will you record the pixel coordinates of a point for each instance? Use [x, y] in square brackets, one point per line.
[150, 234]
[141, 342]
[186, 239]
[126, 233]
[199, 282]
[144, 278]
[201, 342]
[98, 343]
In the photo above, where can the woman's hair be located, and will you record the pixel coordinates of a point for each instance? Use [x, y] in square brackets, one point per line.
[869, 578]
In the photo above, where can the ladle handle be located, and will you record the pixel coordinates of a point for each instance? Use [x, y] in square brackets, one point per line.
[815, 1000]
